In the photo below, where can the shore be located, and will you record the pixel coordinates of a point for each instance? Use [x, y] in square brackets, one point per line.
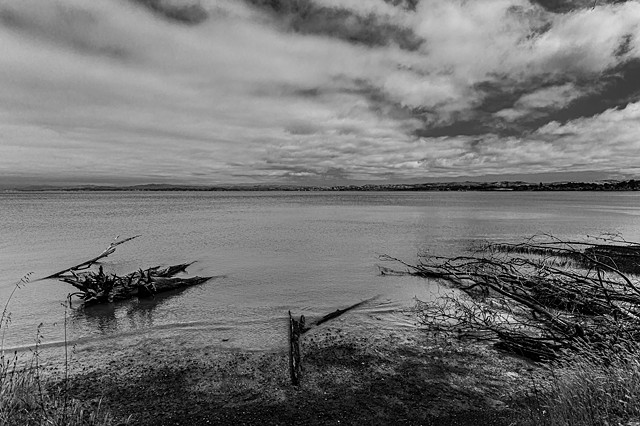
[378, 375]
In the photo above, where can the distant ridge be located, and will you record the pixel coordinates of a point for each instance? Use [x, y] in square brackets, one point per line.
[605, 185]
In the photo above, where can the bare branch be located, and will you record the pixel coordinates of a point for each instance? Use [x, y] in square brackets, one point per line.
[87, 264]
[540, 297]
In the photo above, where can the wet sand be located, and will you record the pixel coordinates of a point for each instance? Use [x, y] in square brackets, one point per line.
[351, 375]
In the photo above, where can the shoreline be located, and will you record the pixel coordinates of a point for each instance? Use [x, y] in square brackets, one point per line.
[351, 375]
[455, 185]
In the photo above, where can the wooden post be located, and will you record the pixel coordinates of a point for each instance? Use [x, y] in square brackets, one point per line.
[296, 328]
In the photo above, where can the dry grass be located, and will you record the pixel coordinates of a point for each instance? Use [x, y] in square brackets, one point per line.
[590, 389]
[28, 398]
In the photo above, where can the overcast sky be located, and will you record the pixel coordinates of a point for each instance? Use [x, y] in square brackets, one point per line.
[317, 91]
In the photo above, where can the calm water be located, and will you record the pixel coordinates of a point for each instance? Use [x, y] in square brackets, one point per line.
[306, 252]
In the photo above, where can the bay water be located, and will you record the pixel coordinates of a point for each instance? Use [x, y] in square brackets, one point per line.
[308, 252]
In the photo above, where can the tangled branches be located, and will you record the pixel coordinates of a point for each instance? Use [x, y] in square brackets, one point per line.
[98, 287]
[538, 298]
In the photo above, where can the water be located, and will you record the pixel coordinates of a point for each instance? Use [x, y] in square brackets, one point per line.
[306, 252]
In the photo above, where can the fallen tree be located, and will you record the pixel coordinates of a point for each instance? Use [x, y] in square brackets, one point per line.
[539, 298]
[97, 287]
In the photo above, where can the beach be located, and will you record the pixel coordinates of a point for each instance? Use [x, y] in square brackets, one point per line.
[381, 375]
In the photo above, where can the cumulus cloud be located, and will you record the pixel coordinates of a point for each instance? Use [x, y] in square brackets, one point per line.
[262, 94]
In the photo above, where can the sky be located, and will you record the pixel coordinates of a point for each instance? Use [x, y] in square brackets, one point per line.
[317, 91]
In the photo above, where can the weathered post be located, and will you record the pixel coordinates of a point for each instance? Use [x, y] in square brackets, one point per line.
[296, 328]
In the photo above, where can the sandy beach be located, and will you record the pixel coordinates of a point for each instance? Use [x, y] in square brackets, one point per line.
[351, 375]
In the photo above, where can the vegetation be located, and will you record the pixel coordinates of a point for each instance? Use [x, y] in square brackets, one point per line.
[589, 389]
[28, 398]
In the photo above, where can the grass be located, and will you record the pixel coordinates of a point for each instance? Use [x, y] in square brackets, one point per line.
[26, 398]
[590, 389]
[29, 397]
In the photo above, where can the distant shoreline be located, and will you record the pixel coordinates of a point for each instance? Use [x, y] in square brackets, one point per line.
[610, 185]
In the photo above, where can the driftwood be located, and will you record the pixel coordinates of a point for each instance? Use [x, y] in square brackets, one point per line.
[337, 313]
[540, 298]
[298, 327]
[98, 287]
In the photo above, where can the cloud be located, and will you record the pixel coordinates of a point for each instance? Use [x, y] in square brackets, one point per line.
[541, 100]
[364, 90]
[186, 12]
[603, 142]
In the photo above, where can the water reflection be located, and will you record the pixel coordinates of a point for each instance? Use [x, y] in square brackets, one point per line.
[101, 317]
[141, 313]
[133, 314]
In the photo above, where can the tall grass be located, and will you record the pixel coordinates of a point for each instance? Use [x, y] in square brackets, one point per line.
[590, 388]
[28, 397]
